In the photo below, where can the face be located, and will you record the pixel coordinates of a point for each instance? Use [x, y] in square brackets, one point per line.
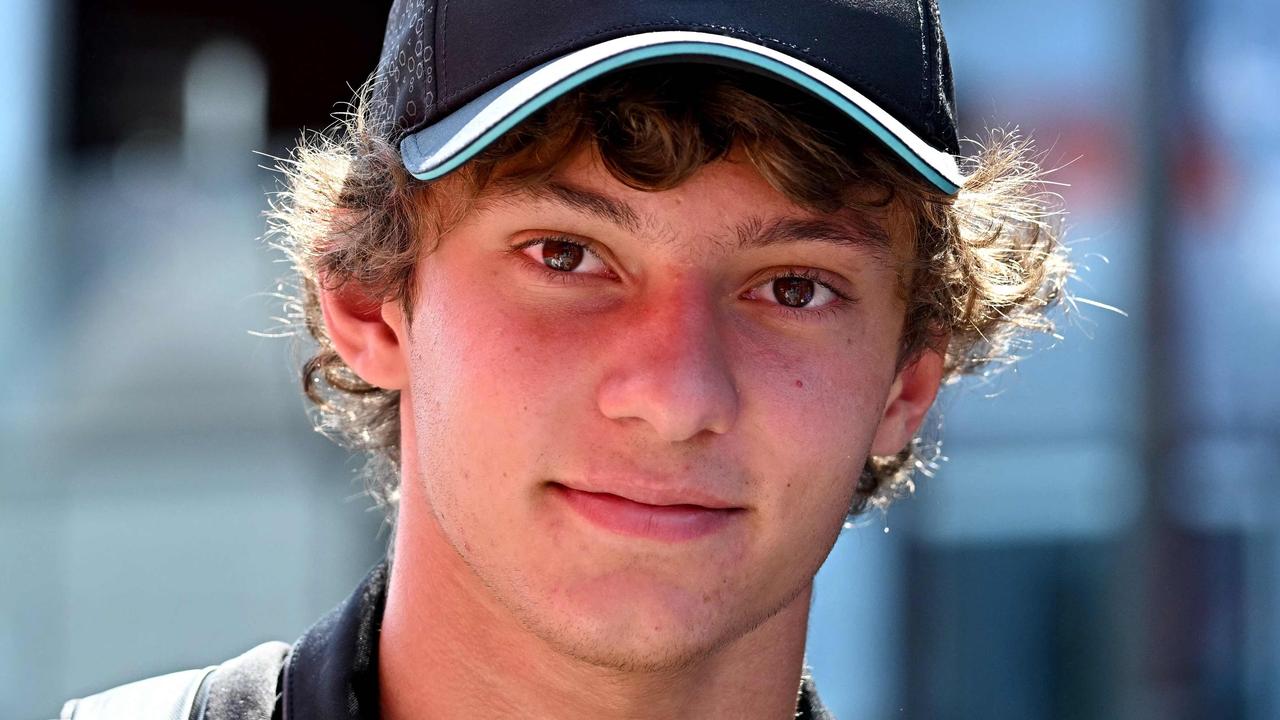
[639, 417]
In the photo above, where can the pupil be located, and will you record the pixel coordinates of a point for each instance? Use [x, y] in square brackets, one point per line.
[793, 291]
[560, 255]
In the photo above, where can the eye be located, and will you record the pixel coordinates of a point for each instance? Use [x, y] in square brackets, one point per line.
[798, 290]
[563, 256]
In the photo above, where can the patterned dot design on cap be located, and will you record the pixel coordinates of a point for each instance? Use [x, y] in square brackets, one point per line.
[406, 71]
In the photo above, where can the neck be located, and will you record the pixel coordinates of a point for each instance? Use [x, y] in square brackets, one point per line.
[448, 649]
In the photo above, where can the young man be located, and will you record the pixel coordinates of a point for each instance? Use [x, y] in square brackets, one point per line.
[631, 304]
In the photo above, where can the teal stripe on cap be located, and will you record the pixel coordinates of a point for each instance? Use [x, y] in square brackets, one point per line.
[667, 50]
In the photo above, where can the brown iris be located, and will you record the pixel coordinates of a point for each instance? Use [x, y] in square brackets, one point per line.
[561, 255]
[793, 291]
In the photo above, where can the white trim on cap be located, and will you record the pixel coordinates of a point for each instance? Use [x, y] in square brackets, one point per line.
[442, 147]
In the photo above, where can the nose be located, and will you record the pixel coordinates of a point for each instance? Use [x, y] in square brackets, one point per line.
[669, 369]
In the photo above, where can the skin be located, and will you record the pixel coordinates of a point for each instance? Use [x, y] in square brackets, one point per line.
[666, 363]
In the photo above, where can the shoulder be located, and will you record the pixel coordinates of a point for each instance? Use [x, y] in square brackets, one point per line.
[166, 696]
[242, 688]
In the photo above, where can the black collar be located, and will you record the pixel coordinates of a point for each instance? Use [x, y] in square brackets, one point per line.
[332, 672]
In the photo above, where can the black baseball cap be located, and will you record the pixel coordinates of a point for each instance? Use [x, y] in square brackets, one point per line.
[454, 75]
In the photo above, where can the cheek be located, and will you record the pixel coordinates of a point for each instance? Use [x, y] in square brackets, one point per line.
[811, 415]
[489, 380]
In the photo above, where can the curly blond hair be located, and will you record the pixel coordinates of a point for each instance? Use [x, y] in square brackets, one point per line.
[985, 264]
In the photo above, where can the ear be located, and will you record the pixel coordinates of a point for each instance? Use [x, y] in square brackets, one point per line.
[910, 397]
[369, 335]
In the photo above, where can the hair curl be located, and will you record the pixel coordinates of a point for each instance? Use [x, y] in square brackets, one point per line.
[983, 268]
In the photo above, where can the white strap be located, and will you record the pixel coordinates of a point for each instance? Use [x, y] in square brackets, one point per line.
[166, 697]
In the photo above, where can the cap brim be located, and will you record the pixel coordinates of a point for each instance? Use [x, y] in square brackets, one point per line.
[451, 141]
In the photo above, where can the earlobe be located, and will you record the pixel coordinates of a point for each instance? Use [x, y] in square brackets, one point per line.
[369, 335]
[910, 398]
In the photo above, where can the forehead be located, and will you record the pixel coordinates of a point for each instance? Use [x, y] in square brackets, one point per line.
[727, 205]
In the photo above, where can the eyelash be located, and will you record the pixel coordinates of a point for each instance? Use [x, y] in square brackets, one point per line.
[842, 302]
[564, 278]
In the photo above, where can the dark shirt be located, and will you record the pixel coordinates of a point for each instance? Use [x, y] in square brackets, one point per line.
[332, 673]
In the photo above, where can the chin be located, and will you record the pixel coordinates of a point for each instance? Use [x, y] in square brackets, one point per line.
[627, 623]
[638, 646]
[632, 658]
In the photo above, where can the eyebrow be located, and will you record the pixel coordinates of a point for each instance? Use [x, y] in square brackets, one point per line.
[601, 206]
[845, 230]
[848, 229]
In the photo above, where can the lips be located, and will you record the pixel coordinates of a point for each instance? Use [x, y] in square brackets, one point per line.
[654, 514]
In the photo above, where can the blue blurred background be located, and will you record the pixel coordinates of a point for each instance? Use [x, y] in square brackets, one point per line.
[1102, 543]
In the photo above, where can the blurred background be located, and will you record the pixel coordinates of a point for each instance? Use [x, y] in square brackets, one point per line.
[1102, 543]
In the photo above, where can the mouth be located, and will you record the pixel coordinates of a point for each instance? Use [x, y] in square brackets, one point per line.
[664, 519]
